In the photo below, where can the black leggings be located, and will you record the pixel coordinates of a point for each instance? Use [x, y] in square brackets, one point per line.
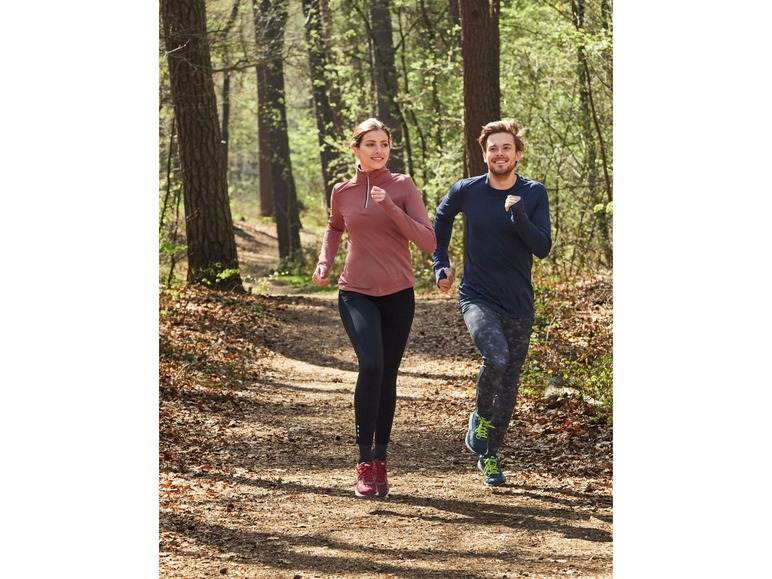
[378, 328]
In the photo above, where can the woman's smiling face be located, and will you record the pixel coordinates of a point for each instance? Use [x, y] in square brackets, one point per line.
[373, 150]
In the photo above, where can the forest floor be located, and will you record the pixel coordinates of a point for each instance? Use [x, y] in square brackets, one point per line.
[257, 449]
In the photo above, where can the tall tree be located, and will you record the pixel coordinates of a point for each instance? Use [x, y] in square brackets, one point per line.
[329, 131]
[385, 76]
[555, 74]
[212, 256]
[482, 92]
[264, 144]
[226, 84]
[264, 111]
[270, 22]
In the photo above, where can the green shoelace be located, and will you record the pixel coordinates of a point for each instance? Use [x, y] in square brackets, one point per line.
[482, 428]
[491, 466]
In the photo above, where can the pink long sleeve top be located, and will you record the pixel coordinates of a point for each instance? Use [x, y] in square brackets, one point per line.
[378, 259]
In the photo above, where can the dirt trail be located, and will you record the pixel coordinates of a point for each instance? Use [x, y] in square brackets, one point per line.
[257, 480]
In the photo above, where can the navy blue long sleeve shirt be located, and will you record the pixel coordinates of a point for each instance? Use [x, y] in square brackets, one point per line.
[500, 244]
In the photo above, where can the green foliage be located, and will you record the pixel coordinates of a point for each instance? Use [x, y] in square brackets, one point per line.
[546, 89]
[295, 272]
[572, 339]
[257, 309]
[298, 282]
[173, 294]
[422, 266]
[227, 274]
[170, 249]
[600, 381]
[216, 274]
[543, 85]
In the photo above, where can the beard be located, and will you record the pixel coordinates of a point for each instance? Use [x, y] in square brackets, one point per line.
[502, 169]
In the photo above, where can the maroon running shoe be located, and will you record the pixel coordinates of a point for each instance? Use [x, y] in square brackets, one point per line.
[365, 486]
[381, 480]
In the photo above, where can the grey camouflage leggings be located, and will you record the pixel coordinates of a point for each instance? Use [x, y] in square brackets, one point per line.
[503, 344]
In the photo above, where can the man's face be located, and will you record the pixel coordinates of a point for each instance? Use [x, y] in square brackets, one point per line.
[500, 154]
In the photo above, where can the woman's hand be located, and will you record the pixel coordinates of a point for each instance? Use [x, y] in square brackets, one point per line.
[379, 195]
[320, 278]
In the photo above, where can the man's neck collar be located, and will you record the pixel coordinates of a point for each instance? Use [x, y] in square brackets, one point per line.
[498, 183]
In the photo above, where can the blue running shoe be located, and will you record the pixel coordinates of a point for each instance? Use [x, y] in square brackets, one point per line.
[490, 466]
[477, 435]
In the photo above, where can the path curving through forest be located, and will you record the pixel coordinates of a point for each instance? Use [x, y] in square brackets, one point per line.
[257, 455]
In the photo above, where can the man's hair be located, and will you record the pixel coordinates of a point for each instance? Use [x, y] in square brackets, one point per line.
[503, 126]
[366, 126]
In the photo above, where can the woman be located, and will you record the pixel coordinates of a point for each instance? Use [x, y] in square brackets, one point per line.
[381, 211]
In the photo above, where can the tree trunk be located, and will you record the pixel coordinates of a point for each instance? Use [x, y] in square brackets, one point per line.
[226, 113]
[226, 86]
[385, 74]
[265, 180]
[212, 256]
[270, 22]
[320, 89]
[482, 92]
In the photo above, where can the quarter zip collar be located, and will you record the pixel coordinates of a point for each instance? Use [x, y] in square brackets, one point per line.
[376, 177]
[372, 178]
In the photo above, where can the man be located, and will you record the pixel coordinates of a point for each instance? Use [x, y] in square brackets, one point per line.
[508, 222]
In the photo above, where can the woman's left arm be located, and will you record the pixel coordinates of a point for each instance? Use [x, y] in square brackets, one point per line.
[413, 222]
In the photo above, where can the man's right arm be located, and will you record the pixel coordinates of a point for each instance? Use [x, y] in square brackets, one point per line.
[444, 216]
